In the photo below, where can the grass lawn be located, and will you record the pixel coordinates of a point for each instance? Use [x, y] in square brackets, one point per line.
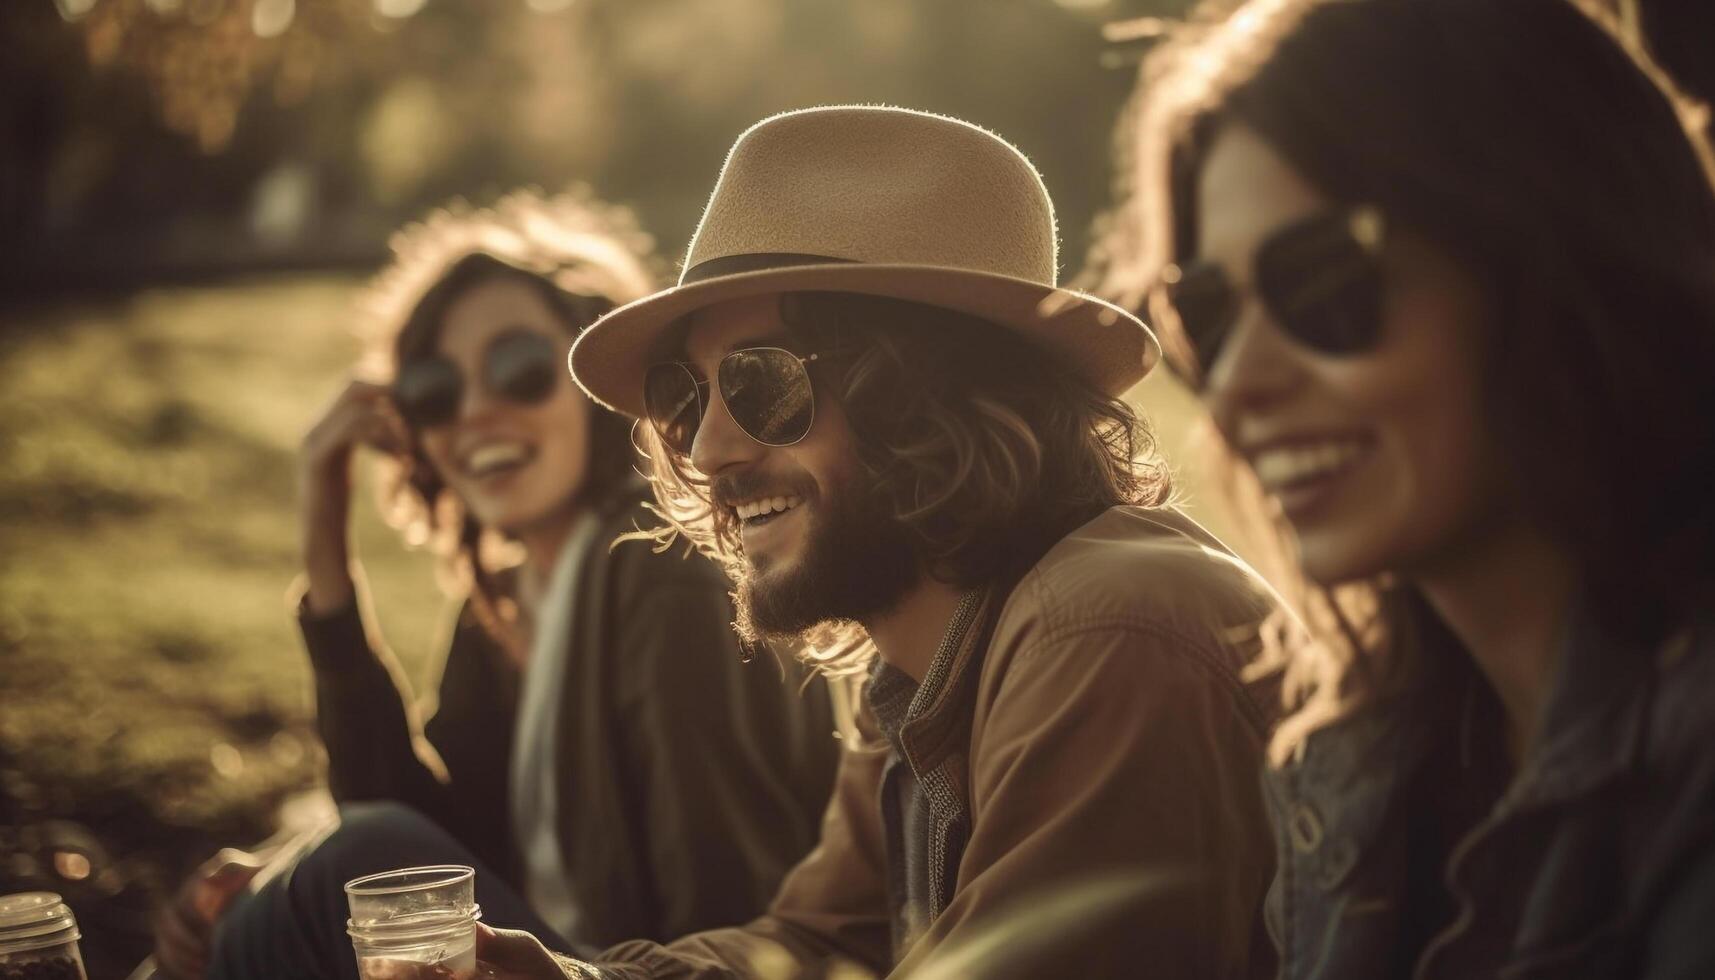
[156, 696]
[156, 699]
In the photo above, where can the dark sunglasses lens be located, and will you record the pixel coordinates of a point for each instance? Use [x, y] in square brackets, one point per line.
[767, 392]
[1206, 305]
[1323, 285]
[671, 403]
[523, 366]
[427, 392]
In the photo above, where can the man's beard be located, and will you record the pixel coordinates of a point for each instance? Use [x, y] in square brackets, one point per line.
[858, 561]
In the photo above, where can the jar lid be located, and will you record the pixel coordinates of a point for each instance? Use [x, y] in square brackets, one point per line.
[30, 916]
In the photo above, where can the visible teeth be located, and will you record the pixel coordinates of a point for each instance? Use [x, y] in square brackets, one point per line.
[766, 505]
[1287, 465]
[495, 455]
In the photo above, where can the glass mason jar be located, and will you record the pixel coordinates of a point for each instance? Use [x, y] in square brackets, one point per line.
[38, 939]
[415, 923]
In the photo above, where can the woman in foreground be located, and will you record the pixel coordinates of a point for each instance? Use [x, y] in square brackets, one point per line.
[1444, 275]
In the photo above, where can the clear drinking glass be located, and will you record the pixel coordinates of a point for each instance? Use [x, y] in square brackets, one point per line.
[38, 938]
[415, 923]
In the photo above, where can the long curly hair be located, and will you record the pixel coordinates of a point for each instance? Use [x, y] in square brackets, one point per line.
[1559, 165]
[978, 443]
[583, 257]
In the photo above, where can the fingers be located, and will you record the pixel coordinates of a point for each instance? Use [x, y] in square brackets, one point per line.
[181, 949]
[353, 414]
[384, 429]
[508, 954]
[234, 856]
[217, 888]
[183, 928]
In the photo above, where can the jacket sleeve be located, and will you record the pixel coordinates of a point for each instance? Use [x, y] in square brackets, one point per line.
[734, 759]
[375, 746]
[829, 918]
[1117, 818]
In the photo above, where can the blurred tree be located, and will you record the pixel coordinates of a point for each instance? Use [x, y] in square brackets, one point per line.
[173, 137]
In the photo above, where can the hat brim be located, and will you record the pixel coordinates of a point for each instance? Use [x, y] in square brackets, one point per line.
[1106, 345]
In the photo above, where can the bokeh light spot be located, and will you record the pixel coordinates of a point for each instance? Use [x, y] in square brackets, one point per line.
[226, 760]
[398, 9]
[270, 18]
[73, 9]
[71, 865]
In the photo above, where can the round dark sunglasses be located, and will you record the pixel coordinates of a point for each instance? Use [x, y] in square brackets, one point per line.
[521, 366]
[766, 391]
[1320, 279]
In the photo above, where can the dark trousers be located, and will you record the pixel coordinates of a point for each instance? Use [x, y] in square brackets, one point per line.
[293, 927]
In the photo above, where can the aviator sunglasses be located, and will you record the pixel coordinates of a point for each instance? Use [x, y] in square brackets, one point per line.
[520, 366]
[766, 391]
[1320, 279]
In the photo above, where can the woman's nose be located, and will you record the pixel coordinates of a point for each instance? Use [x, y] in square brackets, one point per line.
[1254, 368]
[475, 401]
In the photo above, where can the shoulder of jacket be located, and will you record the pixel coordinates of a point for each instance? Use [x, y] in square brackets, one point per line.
[1146, 568]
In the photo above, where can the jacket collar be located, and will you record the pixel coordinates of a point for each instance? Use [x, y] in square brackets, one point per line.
[1592, 727]
[1593, 731]
[1342, 785]
[940, 714]
[939, 726]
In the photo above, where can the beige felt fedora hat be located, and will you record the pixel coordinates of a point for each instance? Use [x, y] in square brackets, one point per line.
[874, 200]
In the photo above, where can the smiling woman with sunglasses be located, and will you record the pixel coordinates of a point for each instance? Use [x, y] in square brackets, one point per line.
[1444, 275]
[600, 748]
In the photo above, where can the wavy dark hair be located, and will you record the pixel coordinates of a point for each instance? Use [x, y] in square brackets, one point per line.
[583, 258]
[1561, 168]
[982, 445]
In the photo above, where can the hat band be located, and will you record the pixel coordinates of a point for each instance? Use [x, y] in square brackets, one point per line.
[732, 265]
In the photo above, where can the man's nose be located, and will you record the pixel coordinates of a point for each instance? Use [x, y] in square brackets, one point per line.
[720, 443]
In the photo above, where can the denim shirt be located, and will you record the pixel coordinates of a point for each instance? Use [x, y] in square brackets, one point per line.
[1597, 860]
[908, 806]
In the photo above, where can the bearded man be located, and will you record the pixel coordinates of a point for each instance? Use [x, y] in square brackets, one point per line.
[869, 399]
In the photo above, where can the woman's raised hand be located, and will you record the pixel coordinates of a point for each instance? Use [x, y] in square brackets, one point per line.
[184, 928]
[362, 415]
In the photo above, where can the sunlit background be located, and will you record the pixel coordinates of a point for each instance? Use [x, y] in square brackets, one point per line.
[190, 193]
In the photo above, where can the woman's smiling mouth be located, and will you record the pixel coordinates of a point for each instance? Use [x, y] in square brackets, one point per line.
[1300, 473]
[494, 459]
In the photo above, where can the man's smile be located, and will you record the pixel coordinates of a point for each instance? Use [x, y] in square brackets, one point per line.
[762, 509]
[770, 519]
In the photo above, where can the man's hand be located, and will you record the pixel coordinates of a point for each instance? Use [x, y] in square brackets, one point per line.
[185, 927]
[508, 954]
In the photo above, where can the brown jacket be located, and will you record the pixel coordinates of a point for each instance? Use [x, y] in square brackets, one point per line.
[689, 782]
[1098, 807]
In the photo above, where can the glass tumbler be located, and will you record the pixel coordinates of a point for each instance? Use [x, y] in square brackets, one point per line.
[414, 923]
